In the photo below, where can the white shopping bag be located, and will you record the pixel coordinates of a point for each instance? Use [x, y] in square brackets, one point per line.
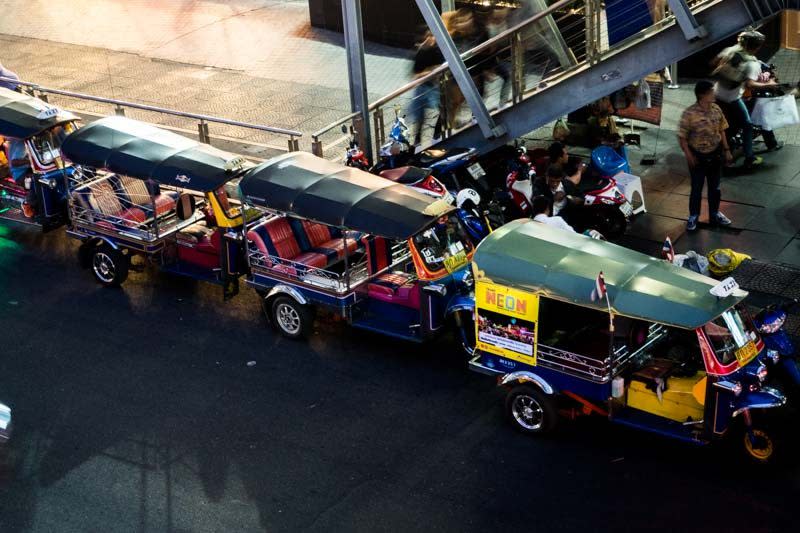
[774, 113]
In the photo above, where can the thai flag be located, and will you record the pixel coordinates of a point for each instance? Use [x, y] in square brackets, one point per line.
[667, 251]
[599, 291]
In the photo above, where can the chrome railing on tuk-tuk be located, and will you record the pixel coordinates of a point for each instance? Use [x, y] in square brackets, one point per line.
[354, 274]
[600, 369]
[261, 135]
[87, 210]
[529, 56]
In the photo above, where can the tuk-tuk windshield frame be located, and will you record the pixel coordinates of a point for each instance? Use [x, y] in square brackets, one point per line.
[729, 333]
[445, 245]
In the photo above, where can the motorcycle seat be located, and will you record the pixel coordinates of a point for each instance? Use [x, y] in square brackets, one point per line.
[405, 175]
[432, 155]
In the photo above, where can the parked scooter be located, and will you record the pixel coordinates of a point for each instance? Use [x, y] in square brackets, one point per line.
[780, 348]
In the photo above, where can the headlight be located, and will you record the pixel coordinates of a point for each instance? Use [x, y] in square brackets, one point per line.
[737, 389]
[774, 325]
[761, 373]
[774, 356]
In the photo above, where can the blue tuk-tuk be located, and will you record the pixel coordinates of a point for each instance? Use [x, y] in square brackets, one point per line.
[385, 257]
[33, 180]
[646, 343]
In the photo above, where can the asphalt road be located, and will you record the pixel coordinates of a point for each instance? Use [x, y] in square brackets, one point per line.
[136, 410]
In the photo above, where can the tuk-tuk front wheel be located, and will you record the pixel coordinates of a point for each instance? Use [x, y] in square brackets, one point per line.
[760, 447]
[109, 266]
[531, 410]
[293, 319]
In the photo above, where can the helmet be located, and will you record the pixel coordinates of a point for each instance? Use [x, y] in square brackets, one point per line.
[467, 195]
[751, 39]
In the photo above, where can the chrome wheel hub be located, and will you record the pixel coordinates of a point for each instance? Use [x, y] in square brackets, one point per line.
[288, 319]
[527, 412]
[103, 267]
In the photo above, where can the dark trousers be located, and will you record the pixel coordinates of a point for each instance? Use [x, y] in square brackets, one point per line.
[708, 169]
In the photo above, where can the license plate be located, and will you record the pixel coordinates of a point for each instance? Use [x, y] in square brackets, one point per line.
[746, 353]
[476, 171]
[627, 209]
[454, 262]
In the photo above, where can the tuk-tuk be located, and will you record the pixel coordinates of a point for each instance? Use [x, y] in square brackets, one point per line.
[646, 344]
[379, 254]
[142, 190]
[33, 181]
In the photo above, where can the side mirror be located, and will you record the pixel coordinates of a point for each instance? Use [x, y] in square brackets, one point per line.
[186, 206]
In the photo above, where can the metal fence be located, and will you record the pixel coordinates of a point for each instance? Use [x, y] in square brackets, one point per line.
[259, 134]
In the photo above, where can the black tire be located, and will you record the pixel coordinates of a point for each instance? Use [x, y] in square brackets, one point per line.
[530, 410]
[292, 319]
[762, 451]
[109, 266]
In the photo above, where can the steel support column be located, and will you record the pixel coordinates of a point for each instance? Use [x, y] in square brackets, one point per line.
[459, 70]
[354, 43]
[691, 29]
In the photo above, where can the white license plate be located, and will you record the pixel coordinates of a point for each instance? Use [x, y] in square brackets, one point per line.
[476, 171]
[627, 209]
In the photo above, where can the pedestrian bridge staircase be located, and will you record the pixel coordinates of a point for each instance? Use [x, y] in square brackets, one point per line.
[563, 57]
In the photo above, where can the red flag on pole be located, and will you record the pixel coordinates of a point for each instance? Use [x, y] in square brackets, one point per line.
[599, 291]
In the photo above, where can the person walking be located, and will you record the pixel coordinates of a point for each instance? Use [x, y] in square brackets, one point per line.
[701, 134]
[11, 78]
[739, 69]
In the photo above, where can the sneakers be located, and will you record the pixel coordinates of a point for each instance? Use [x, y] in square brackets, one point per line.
[750, 164]
[691, 223]
[720, 219]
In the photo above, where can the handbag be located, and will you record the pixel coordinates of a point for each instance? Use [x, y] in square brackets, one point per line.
[560, 130]
[774, 113]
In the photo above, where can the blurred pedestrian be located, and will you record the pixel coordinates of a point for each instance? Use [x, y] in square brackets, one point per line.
[701, 134]
[12, 78]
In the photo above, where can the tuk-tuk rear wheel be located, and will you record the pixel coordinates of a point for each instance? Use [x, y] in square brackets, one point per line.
[531, 410]
[292, 319]
[109, 266]
[761, 448]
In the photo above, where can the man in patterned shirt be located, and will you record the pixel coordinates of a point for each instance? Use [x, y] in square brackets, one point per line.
[701, 134]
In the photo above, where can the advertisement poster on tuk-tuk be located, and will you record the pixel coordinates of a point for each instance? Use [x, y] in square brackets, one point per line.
[506, 322]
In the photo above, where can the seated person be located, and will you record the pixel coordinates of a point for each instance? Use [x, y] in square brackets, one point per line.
[573, 171]
[557, 153]
[552, 187]
[542, 212]
[20, 168]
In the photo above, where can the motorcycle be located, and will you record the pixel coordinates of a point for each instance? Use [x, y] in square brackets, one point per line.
[780, 348]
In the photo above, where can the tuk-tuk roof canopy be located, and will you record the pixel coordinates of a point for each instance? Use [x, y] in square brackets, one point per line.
[562, 265]
[23, 116]
[146, 152]
[303, 185]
